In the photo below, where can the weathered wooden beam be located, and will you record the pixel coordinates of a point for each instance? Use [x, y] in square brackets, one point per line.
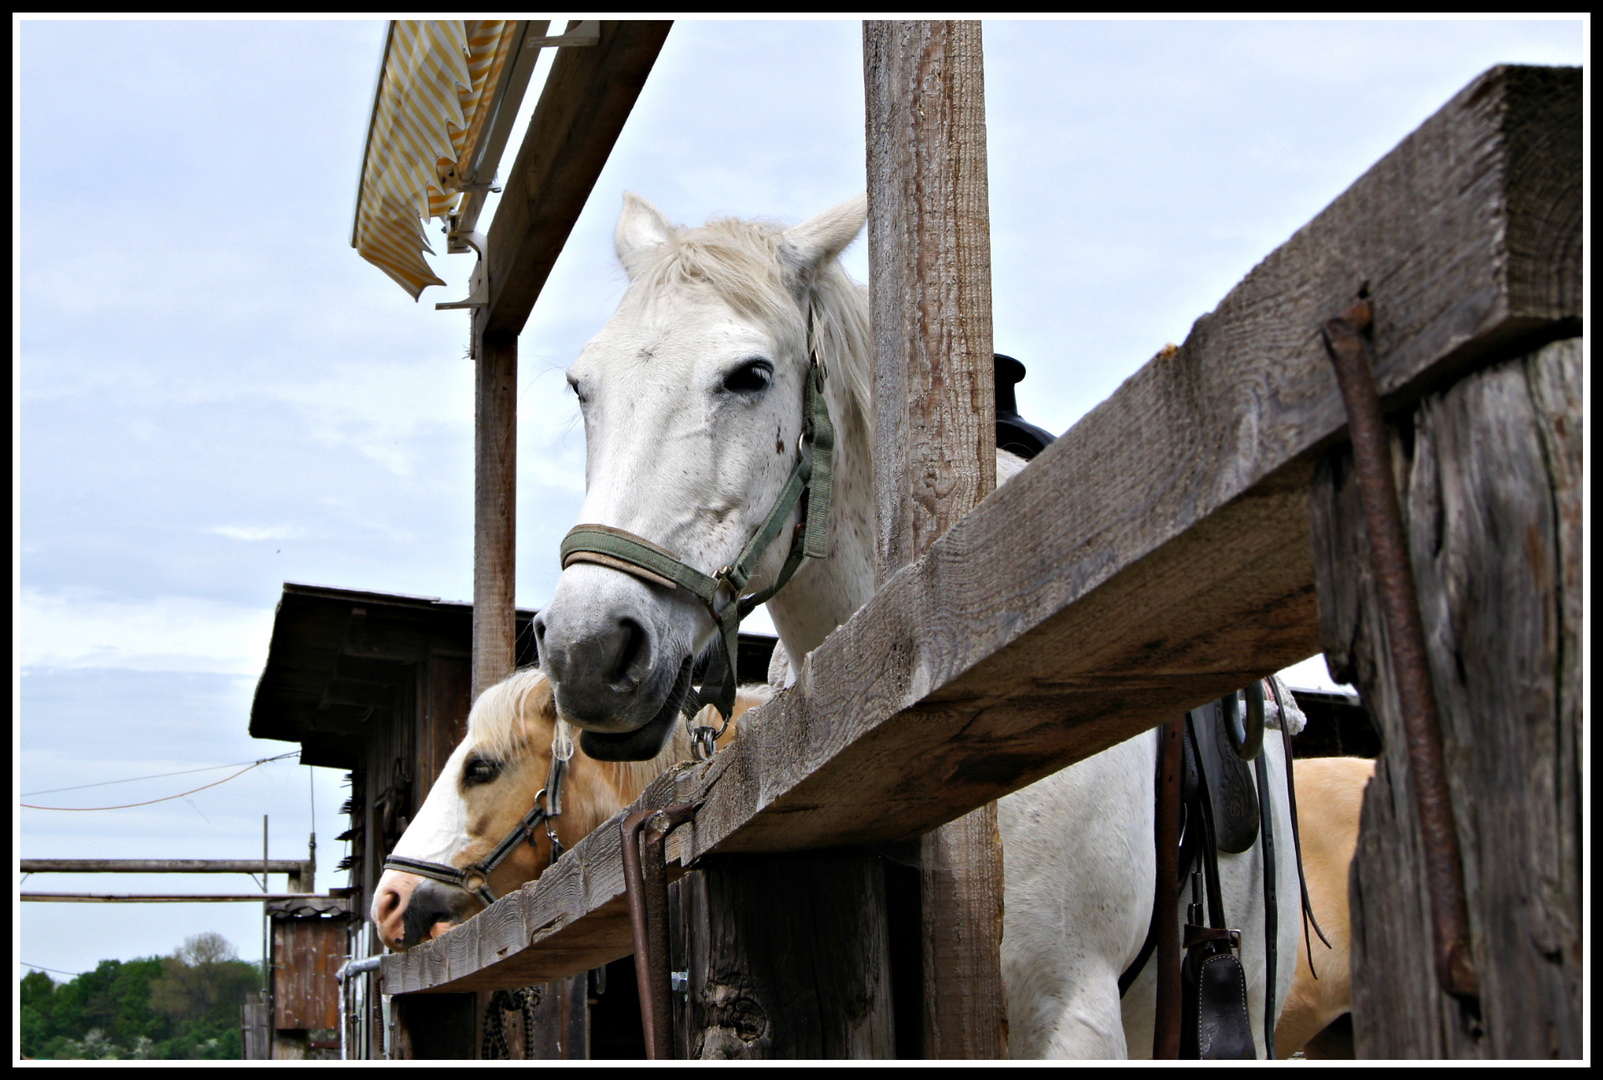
[1156, 556]
[161, 866]
[1490, 488]
[929, 245]
[586, 99]
[495, 475]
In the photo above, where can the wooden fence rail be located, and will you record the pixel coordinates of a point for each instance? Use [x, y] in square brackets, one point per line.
[1156, 556]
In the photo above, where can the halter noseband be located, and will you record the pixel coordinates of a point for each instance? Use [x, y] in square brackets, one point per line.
[475, 877]
[810, 479]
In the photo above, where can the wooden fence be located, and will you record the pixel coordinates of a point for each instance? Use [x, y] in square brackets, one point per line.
[1189, 535]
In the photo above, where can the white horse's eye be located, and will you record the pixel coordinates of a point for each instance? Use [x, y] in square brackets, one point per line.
[751, 377]
[480, 771]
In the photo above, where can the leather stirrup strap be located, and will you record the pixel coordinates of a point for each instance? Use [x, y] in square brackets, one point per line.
[1296, 835]
[1271, 905]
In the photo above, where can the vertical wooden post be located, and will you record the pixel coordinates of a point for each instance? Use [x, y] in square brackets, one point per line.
[1489, 479]
[495, 448]
[934, 435]
[787, 957]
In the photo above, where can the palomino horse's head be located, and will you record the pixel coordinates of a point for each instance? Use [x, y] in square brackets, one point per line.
[489, 783]
[692, 397]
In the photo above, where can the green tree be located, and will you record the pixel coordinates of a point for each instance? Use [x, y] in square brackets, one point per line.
[181, 1006]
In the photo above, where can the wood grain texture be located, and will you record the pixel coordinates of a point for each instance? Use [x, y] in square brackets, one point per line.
[934, 445]
[787, 957]
[1155, 557]
[586, 99]
[495, 476]
[929, 247]
[1485, 472]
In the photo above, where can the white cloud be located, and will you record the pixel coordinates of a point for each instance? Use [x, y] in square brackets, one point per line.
[252, 532]
[169, 633]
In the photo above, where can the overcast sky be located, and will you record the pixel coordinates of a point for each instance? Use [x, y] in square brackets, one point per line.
[217, 395]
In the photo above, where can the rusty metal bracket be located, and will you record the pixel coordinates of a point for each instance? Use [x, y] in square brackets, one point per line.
[1399, 605]
[646, 885]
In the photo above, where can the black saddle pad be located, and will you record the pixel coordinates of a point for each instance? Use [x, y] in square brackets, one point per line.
[1232, 790]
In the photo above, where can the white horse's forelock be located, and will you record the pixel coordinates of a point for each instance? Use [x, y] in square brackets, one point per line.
[744, 263]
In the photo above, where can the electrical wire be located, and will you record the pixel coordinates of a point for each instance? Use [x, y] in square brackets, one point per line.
[157, 776]
[164, 798]
[53, 971]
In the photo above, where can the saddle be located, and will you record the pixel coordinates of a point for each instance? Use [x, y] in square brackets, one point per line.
[1220, 808]
[1231, 791]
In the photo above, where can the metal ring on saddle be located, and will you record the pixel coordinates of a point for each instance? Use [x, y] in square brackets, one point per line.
[1246, 734]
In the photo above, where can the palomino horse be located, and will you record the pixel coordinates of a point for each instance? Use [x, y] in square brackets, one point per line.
[738, 351]
[487, 786]
[1330, 793]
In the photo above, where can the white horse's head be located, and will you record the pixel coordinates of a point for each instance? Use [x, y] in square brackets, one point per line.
[489, 783]
[692, 397]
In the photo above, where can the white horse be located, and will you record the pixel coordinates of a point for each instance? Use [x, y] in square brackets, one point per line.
[692, 396]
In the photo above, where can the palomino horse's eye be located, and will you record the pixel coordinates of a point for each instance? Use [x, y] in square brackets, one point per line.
[750, 377]
[480, 771]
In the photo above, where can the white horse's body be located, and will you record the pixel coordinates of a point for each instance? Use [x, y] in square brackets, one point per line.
[692, 400]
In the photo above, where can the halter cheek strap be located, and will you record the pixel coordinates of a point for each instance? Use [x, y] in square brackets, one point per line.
[810, 481]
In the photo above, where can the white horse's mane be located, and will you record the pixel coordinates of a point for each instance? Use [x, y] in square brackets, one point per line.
[518, 714]
[748, 265]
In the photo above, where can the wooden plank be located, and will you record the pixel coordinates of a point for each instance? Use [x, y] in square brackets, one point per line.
[1490, 482]
[1155, 557]
[161, 866]
[495, 474]
[587, 97]
[934, 444]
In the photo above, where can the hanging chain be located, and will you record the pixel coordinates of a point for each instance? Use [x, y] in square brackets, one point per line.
[525, 1000]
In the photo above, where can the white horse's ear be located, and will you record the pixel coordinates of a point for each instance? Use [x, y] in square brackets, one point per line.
[641, 227]
[820, 238]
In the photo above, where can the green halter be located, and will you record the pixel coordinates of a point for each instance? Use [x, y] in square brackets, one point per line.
[810, 479]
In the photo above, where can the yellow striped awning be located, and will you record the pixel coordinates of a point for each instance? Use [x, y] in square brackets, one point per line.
[436, 89]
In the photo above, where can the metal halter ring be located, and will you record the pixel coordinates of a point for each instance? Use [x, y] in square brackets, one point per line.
[704, 738]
